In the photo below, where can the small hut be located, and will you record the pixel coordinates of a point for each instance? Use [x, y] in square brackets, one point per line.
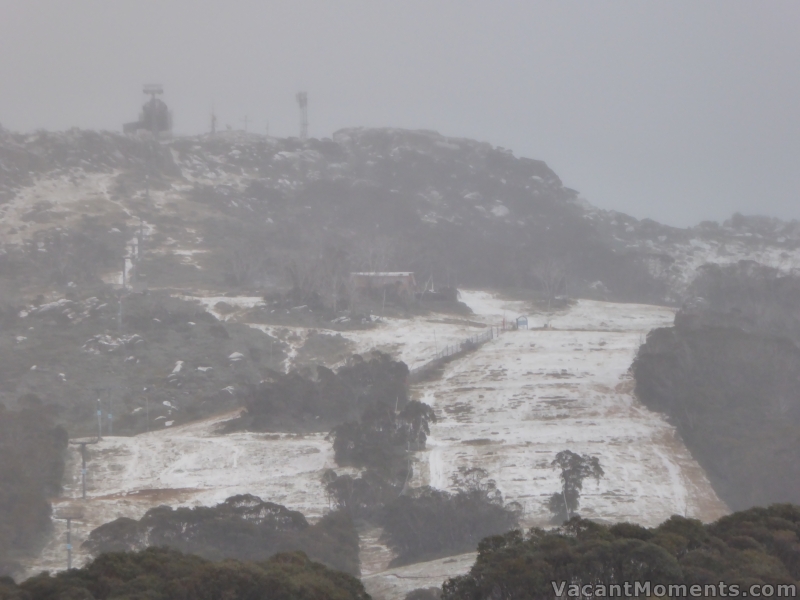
[400, 282]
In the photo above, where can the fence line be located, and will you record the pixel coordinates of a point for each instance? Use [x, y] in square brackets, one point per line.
[462, 346]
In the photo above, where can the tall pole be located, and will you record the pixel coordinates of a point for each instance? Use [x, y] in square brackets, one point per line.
[302, 102]
[122, 292]
[83, 469]
[99, 421]
[69, 543]
[140, 244]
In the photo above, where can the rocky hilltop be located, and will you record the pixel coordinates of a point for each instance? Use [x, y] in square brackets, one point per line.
[239, 210]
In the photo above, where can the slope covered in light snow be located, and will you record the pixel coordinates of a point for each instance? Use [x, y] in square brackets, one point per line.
[522, 398]
[525, 396]
[508, 407]
[190, 465]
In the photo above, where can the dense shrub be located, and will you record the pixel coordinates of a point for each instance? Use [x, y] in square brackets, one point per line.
[363, 497]
[243, 527]
[727, 376]
[424, 523]
[32, 465]
[170, 575]
[735, 398]
[747, 295]
[428, 523]
[80, 355]
[758, 546]
[296, 402]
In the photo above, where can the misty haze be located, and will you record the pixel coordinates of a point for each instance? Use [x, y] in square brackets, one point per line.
[401, 301]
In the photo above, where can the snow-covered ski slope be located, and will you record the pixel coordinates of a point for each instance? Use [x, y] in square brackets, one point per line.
[508, 407]
[522, 398]
[190, 465]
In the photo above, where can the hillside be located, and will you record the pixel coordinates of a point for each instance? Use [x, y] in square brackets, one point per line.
[165, 282]
[239, 210]
[265, 231]
[572, 391]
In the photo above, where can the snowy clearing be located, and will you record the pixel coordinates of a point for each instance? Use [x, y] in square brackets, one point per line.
[520, 399]
[508, 407]
[189, 465]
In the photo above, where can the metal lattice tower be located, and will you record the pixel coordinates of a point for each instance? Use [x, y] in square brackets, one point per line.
[302, 102]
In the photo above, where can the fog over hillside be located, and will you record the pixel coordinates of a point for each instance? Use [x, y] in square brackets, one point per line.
[399, 301]
[673, 111]
[196, 294]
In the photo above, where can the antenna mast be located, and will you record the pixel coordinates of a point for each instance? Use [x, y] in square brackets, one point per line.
[302, 102]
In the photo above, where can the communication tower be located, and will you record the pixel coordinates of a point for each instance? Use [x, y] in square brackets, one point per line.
[155, 116]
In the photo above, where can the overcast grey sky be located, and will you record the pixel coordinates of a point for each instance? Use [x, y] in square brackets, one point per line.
[674, 110]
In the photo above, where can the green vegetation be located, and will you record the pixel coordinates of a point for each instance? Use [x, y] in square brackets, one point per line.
[243, 527]
[726, 375]
[427, 523]
[748, 296]
[300, 402]
[382, 438]
[574, 469]
[758, 546]
[383, 429]
[32, 450]
[168, 574]
[70, 352]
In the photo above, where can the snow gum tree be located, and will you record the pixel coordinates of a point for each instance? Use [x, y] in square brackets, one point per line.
[574, 469]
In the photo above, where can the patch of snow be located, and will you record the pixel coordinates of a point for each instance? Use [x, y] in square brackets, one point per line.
[517, 401]
[188, 465]
[239, 303]
[500, 210]
[395, 583]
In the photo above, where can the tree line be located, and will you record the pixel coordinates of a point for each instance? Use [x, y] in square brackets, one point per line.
[32, 448]
[727, 376]
[757, 546]
[243, 527]
[168, 574]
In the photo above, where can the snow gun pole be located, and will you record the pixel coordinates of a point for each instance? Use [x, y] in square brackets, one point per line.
[83, 471]
[69, 543]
